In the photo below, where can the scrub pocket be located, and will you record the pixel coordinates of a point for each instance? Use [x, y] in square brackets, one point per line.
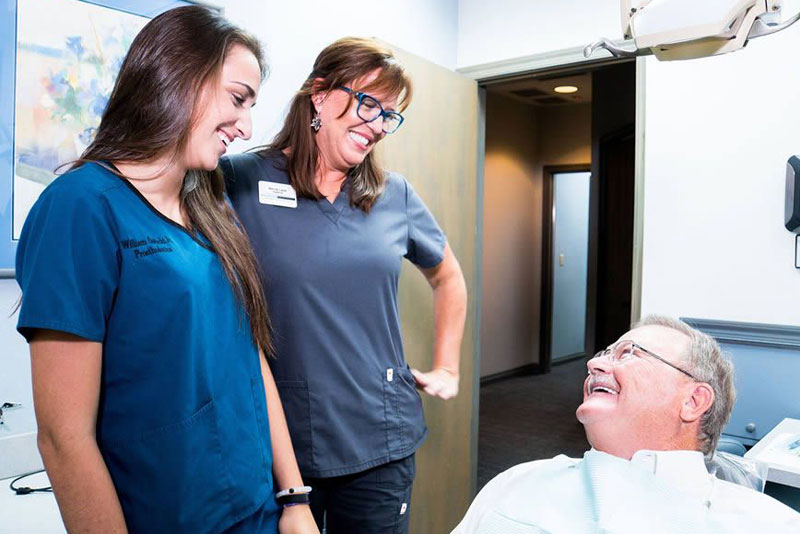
[260, 409]
[172, 478]
[295, 400]
[404, 419]
[398, 474]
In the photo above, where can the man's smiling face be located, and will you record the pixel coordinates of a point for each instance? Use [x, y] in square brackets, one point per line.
[635, 403]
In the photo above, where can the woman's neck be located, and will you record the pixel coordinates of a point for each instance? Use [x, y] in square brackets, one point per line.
[329, 181]
[160, 182]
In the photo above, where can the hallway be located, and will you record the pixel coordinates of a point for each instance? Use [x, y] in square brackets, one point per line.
[530, 417]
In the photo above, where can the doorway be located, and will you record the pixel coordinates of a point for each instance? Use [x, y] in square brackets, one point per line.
[565, 263]
[549, 154]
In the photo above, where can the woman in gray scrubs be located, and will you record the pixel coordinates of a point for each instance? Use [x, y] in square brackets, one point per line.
[331, 229]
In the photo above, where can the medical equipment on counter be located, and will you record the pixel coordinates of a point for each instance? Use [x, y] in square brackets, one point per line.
[687, 29]
[8, 406]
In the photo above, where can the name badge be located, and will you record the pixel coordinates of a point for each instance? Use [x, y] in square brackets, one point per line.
[276, 194]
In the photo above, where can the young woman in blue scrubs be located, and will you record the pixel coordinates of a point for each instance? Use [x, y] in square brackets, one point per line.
[331, 229]
[142, 304]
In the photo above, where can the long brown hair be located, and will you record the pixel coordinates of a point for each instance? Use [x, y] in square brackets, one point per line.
[340, 63]
[150, 113]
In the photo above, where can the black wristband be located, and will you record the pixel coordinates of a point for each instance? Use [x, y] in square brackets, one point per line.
[289, 500]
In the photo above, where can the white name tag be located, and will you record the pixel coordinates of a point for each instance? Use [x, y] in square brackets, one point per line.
[276, 194]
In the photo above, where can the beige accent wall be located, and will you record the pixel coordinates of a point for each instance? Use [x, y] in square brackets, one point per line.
[436, 149]
[520, 140]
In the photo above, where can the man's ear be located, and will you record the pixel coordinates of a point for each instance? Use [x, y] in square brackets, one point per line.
[699, 400]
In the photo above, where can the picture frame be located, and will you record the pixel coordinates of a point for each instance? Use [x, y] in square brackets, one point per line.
[53, 89]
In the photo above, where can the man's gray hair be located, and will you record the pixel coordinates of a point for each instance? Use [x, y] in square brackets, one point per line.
[708, 364]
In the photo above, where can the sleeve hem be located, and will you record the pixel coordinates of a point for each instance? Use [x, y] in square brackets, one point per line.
[435, 260]
[28, 328]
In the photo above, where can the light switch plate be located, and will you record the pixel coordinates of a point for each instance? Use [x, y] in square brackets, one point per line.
[797, 251]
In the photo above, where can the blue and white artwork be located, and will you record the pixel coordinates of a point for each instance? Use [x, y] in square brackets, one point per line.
[58, 64]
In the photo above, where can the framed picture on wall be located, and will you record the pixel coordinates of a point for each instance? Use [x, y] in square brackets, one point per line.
[58, 63]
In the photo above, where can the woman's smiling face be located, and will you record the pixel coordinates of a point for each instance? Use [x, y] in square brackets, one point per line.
[344, 140]
[224, 110]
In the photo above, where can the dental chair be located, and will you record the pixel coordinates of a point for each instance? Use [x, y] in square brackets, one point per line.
[728, 464]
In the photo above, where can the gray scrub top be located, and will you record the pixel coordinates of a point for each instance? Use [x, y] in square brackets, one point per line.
[330, 276]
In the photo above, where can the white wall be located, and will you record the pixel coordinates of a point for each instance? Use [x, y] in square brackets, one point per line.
[719, 131]
[293, 33]
[15, 386]
[506, 29]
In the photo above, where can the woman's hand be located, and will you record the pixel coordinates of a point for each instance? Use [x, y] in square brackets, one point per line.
[449, 314]
[441, 382]
[297, 520]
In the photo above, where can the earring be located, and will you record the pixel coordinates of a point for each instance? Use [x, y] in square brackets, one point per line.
[316, 122]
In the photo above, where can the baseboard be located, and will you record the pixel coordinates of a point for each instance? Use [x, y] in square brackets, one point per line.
[570, 358]
[528, 369]
[19, 454]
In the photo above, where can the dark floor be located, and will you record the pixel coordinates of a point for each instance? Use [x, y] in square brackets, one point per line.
[530, 417]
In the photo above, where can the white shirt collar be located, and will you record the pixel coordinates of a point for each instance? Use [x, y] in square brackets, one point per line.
[682, 469]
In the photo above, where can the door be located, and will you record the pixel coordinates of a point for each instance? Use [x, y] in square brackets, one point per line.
[437, 151]
[570, 262]
[566, 232]
[615, 237]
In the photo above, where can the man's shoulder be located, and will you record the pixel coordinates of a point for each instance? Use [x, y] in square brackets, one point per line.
[537, 496]
[747, 501]
[532, 472]
[561, 461]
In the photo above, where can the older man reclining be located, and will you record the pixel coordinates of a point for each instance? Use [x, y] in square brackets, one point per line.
[654, 404]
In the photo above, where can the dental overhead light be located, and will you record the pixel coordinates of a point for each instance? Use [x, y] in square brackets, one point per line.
[687, 29]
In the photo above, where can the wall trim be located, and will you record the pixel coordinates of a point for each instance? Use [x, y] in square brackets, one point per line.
[524, 370]
[478, 297]
[638, 192]
[547, 278]
[571, 57]
[755, 334]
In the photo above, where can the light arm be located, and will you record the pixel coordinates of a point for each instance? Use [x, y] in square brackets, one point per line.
[66, 391]
[295, 519]
[450, 311]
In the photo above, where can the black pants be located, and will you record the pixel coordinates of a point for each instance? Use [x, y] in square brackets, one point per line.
[375, 501]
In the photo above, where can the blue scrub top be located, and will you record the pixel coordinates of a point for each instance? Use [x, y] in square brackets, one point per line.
[182, 422]
[331, 273]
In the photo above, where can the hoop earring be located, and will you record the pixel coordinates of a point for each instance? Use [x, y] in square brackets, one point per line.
[316, 122]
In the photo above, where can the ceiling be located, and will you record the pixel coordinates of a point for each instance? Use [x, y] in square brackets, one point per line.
[539, 90]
